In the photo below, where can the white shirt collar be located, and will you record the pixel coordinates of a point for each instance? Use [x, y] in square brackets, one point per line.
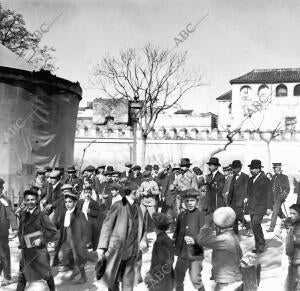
[256, 177]
[214, 173]
[67, 220]
[130, 200]
[31, 211]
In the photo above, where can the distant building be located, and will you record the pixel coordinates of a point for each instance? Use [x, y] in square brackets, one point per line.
[272, 95]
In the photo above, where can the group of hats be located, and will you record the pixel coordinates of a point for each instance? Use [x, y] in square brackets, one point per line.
[109, 169]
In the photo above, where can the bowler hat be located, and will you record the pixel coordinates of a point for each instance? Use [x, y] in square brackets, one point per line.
[190, 193]
[155, 167]
[276, 165]
[224, 217]
[55, 174]
[214, 161]
[255, 164]
[185, 162]
[148, 168]
[89, 168]
[128, 164]
[236, 164]
[102, 166]
[109, 170]
[71, 169]
[100, 267]
[137, 167]
[161, 220]
[115, 172]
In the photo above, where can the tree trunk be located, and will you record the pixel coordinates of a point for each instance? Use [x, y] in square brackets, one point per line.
[144, 145]
[269, 157]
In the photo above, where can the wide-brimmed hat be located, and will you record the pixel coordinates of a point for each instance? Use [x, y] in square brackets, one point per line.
[109, 170]
[185, 162]
[71, 169]
[161, 220]
[213, 161]
[236, 164]
[224, 217]
[255, 164]
[276, 165]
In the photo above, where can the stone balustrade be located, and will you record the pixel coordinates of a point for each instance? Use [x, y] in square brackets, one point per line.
[94, 131]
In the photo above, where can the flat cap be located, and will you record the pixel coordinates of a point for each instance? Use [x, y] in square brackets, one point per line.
[190, 193]
[70, 194]
[89, 168]
[128, 164]
[66, 187]
[161, 220]
[276, 165]
[31, 191]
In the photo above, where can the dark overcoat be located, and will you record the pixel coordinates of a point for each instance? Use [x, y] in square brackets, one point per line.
[280, 185]
[238, 190]
[79, 235]
[93, 221]
[189, 224]
[259, 194]
[162, 263]
[115, 231]
[7, 219]
[169, 195]
[213, 197]
[35, 261]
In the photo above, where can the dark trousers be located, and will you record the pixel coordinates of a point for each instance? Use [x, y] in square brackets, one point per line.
[256, 220]
[5, 257]
[194, 267]
[125, 275]
[240, 218]
[277, 211]
[293, 278]
[22, 283]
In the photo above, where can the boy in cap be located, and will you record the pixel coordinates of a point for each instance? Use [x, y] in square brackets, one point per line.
[35, 259]
[226, 250]
[115, 192]
[161, 274]
[190, 255]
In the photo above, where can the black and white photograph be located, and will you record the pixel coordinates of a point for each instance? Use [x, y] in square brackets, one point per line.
[149, 145]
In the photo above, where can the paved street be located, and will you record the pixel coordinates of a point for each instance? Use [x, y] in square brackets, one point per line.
[271, 276]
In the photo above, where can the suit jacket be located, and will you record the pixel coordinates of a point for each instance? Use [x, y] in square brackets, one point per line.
[214, 198]
[7, 218]
[75, 181]
[259, 194]
[280, 184]
[162, 262]
[94, 208]
[189, 223]
[137, 179]
[238, 190]
[114, 234]
[167, 180]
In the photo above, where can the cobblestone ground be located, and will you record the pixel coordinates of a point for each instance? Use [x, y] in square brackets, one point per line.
[272, 274]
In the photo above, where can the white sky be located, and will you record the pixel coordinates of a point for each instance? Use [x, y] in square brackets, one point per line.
[236, 37]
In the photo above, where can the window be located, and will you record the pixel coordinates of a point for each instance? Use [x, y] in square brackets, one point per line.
[281, 91]
[245, 92]
[297, 90]
[290, 123]
[263, 93]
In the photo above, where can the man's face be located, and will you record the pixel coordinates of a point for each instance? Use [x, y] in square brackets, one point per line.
[155, 171]
[136, 172]
[41, 177]
[115, 178]
[101, 171]
[87, 184]
[54, 180]
[277, 170]
[190, 203]
[294, 215]
[30, 201]
[135, 194]
[89, 174]
[212, 168]
[254, 172]
[109, 178]
[87, 193]
[128, 168]
[72, 174]
[226, 173]
[114, 192]
[70, 204]
[236, 170]
[184, 168]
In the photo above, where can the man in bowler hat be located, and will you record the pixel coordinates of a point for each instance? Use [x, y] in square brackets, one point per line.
[237, 194]
[189, 179]
[260, 200]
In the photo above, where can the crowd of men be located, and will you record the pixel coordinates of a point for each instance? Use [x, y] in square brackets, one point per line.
[109, 212]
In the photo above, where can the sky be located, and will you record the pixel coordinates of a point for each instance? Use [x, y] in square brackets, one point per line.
[235, 37]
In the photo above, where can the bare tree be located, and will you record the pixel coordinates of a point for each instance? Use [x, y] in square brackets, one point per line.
[15, 36]
[155, 76]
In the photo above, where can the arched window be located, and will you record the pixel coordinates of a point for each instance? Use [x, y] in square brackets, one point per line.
[281, 91]
[263, 92]
[245, 92]
[297, 90]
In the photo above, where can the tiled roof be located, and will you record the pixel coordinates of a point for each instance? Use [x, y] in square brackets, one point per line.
[225, 97]
[269, 76]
